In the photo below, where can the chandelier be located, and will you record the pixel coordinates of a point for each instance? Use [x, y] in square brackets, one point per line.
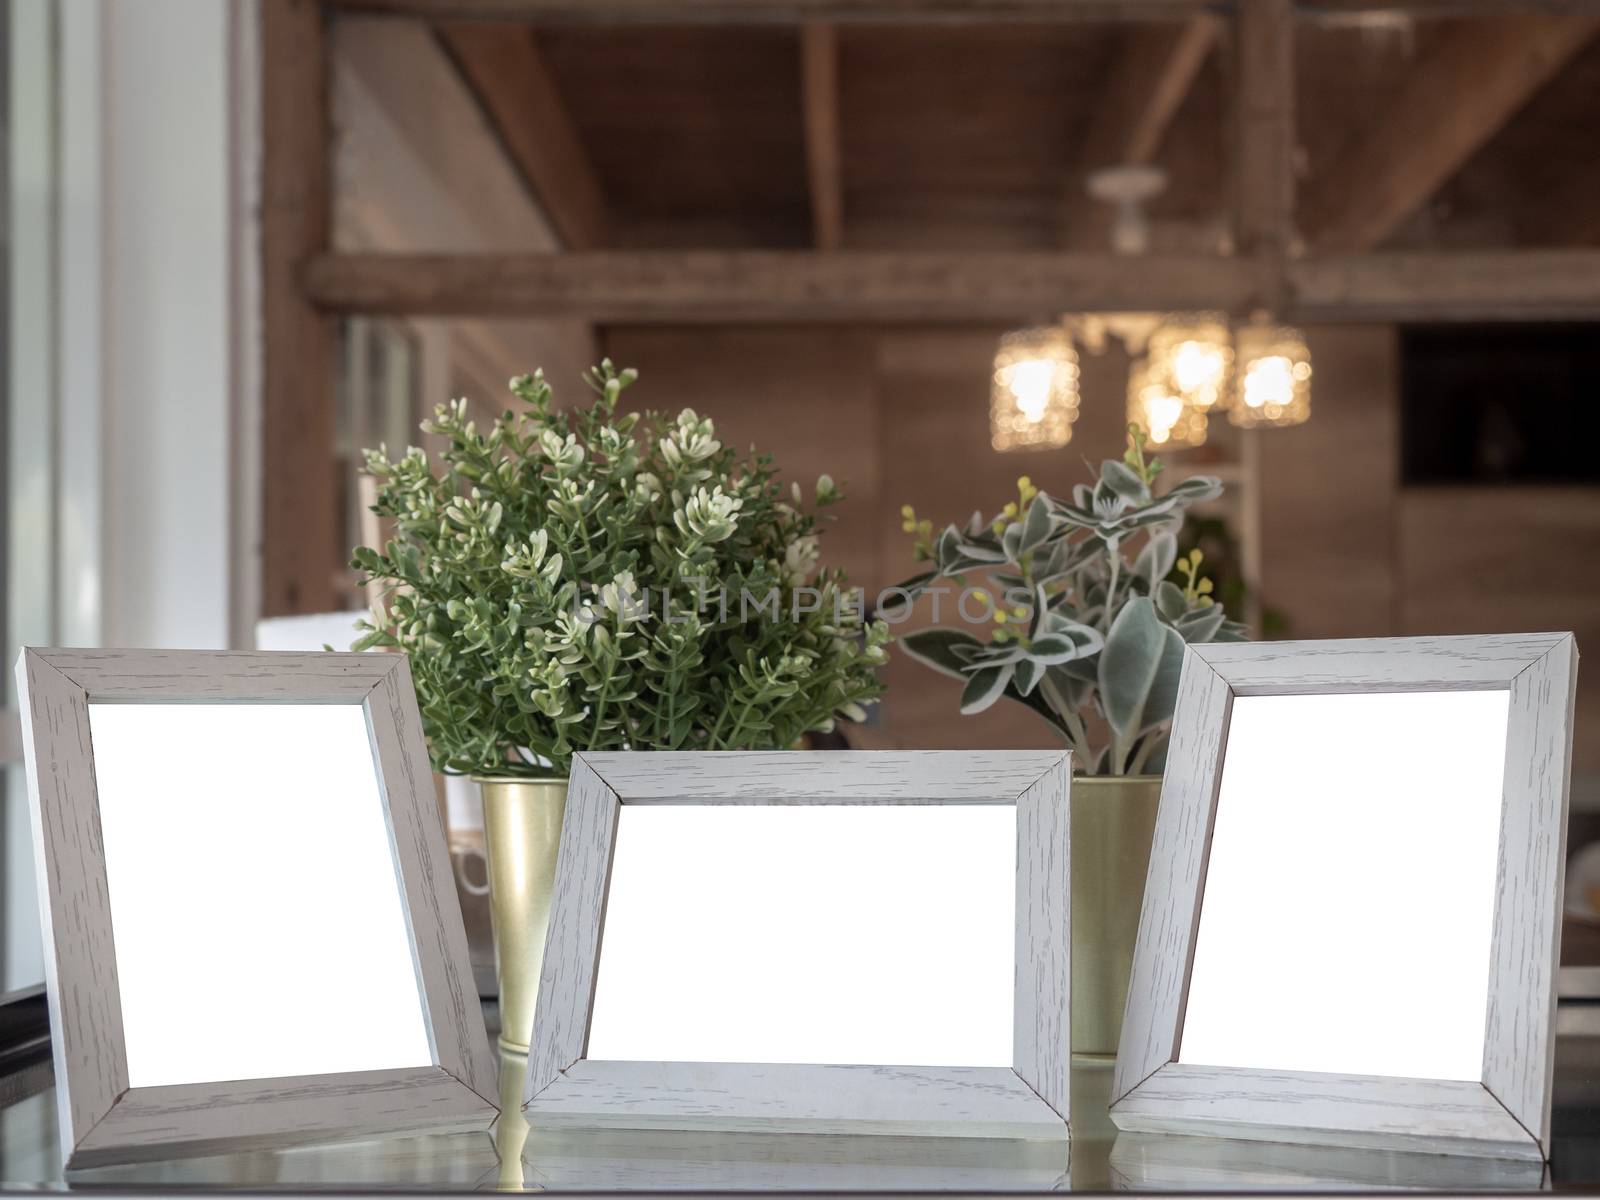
[1033, 398]
[1185, 367]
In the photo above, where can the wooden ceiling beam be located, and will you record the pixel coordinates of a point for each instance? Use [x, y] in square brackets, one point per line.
[803, 286]
[1457, 96]
[918, 12]
[819, 101]
[765, 285]
[1488, 285]
[1144, 90]
[1348, 10]
[506, 71]
[780, 12]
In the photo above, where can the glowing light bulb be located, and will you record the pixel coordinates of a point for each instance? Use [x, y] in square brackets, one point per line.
[1033, 399]
[1163, 411]
[1274, 377]
[1193, 354]
[1269, 380]
[1030, 387]
[1196, 366]
[1169, 420]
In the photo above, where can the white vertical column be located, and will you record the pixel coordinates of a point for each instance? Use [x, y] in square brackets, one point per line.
[169, 314]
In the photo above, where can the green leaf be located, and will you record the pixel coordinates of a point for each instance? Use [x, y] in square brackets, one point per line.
[1169, 600]
[1195, 489]
[1011, 542]
[1028, 674]
[984, 688]
[979, 551]
[1156, 560]
[1124, 482]
[1129, 663]
[1037, 526]
[937, 648]
[1163, 694]
[1202, 624]
[1065, 642]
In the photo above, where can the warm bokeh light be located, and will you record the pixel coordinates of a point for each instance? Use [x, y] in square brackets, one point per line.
[1033, 400]
[1155, 405]
[1195, 354]
[1274, 384]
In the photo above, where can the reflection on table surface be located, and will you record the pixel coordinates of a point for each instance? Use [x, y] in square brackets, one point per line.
[1156, 1163]
[514, 1157]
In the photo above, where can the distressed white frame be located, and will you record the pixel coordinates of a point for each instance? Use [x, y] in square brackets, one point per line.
[1029, 1099]
[1506, 1113]
[102, 1119]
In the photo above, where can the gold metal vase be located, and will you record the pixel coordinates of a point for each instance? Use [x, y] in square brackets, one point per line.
[522, 832]
[1113, 822]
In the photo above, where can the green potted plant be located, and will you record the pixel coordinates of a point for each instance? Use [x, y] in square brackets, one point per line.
[591, 580]
[1088, 632]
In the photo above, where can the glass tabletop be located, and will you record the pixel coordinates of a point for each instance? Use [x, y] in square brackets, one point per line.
[514, 1157]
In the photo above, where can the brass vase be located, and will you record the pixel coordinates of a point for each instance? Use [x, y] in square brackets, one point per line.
[522, 832]
[1113, 822]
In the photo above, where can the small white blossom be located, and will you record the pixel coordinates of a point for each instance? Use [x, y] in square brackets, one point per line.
[565, 455]
[708, 516]
[621, 596]
[800, 559]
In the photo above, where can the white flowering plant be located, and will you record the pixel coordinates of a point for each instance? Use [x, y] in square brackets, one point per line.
[584, 580]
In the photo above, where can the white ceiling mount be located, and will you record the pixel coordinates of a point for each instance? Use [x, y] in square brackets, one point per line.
[1128, 187]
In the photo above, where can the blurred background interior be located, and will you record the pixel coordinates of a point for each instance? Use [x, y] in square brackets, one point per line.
[246, 238]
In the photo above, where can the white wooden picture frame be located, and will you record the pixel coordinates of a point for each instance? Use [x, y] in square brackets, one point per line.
[1029, 1099]
[1506, 1113]
[102, 1119]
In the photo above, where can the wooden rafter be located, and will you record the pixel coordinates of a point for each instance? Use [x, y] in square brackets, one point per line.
[505, 69]
[1453, 101]
[804, 286]
[300, 526]
[819, 102]
[1146, 86]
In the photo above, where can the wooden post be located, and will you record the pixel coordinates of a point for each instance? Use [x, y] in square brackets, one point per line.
[1264, 136]
[300, 521]
[819, 96]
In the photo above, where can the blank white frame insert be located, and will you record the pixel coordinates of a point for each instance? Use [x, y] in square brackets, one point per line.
[900, 951]
[1376, 864]
[232, 833]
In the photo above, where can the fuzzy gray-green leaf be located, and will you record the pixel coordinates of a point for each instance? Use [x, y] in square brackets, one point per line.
[983, 688]
[1169, 600]
[937, 648]
[1201, 625]
[1155, 561]
[1129, 663]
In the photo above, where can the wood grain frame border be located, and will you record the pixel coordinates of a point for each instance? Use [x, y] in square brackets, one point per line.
[1506, 1114]
[1027, 1100]
[102, 1119]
